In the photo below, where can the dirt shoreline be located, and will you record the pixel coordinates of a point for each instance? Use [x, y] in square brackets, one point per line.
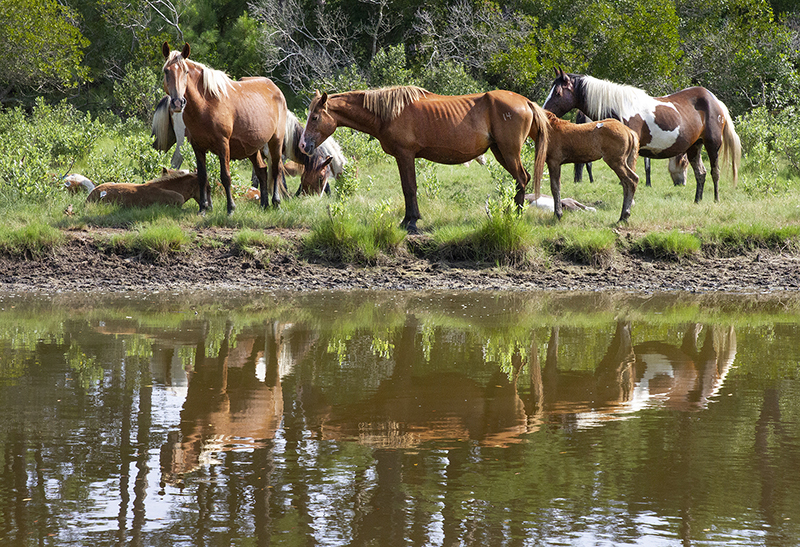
[83, 266]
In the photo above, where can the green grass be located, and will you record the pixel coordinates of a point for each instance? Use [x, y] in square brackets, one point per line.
[34, 240]
[158, 239]
[453, 199]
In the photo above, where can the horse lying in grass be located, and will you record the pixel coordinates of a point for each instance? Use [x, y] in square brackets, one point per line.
[609, 140]
[548, 203]
[172, 188]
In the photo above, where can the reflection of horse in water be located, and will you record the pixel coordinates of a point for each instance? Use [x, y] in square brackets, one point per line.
[409, 408]
[233, 399]
[630, 377]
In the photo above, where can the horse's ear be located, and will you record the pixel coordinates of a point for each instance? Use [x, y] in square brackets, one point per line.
[323, 99]
[558, 71]
[165, 49]
[186, 50]
[327, 161]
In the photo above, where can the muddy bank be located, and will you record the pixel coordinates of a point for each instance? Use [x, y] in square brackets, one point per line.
[82, 265]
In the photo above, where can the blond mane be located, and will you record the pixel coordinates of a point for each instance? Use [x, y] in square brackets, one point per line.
[215, 82]
[387, 103]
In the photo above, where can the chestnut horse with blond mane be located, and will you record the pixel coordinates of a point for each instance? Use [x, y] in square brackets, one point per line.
[234, 120]
[411, 122]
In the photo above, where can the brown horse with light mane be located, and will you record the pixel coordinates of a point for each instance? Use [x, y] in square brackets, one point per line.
[411, 122]
[609, 140]
[234, 120]
[172, 188]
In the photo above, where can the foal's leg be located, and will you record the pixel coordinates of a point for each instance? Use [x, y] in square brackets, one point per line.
[647, 171]
[554, 169]
[259, 178]
[696, 161]
[629, 181]
[408, 181]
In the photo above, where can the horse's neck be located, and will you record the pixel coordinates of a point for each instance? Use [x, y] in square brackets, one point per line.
[348, 110]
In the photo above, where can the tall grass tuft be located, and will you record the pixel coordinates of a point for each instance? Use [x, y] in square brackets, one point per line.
[34, 240]
[673, 245]
[155, 240]
[742, 237]
[595, 247]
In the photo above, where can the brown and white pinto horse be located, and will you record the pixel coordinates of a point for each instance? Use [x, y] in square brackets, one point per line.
[411, 122]
[234, 120]
[667, 126]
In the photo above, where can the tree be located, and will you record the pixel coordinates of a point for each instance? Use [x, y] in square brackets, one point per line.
[41, 48]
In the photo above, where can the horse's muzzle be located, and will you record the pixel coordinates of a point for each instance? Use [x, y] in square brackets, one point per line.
[176, 105]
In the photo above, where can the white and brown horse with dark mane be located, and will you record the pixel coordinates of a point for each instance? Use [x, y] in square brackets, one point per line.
[411, 122]
[667, 126]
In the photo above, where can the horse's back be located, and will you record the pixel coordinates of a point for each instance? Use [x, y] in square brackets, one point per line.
[134, 195]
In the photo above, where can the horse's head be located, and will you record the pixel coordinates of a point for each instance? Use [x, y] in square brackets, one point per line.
[176, 76]
[562, 97]
[315, 175]
[319, 127]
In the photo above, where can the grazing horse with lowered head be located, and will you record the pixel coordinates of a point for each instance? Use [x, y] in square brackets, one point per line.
[326, 160]
[233, 120]
[172, 188]
[609, 140]
[411, 122]
[667, 126]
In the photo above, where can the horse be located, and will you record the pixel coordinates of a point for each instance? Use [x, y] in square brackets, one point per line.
[608, 139]
[411, 122]
[168, 130]
[666, 126]
[234, 120]
[326, 160]
[172, 188]
[75, 183]
[548, 203]
[678, 165]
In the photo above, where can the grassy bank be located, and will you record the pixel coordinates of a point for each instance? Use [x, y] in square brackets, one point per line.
[466, 209]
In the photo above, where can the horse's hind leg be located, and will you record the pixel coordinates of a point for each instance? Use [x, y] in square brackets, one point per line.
[202, 180]
[225, 178]
[276, 178]
[713, 159]
[629, 181]
[512, 162]
[696, 161]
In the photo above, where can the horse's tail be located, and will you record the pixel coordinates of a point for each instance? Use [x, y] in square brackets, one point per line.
[731, 144]
[540, 133]
[162, 128]
[290, 138]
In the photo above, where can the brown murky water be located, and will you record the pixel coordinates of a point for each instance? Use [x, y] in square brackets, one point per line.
[400, 419]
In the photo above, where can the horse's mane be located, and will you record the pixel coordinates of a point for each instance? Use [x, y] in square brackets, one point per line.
[554, 120]
[331, 148]
[606, 99]
[387, 103]
[292, 135]
[216, 82]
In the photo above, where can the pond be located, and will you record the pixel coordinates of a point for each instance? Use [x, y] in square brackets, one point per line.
[399, 418]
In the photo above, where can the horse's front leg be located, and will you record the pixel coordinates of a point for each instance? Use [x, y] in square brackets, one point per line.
[555, 188]
[202, 180]
[225, 179]
[408, 181]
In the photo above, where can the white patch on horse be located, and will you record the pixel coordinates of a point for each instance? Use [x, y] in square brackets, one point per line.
[660, 139]
[599, 125]
[507, 116]
[103, 194]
